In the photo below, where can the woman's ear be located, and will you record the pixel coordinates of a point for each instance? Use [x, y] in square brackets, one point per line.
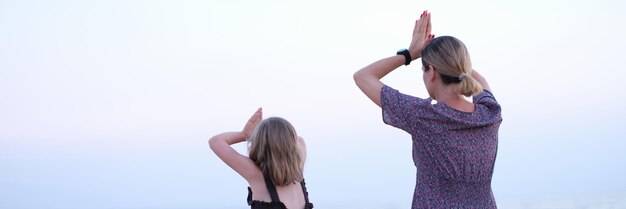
[431, 73]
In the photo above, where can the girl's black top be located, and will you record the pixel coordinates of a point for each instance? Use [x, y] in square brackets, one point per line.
[276, 203]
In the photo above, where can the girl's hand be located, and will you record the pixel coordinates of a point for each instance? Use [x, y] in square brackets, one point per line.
[421, 35]
[254, 120]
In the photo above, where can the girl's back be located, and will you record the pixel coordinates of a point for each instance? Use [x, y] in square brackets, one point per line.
[291, 196]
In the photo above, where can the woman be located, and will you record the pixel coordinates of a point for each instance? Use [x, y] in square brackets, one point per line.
[454, 140]
[274, 168]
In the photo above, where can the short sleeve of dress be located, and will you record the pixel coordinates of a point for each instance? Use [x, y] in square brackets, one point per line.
[397, 108]
[485, 98]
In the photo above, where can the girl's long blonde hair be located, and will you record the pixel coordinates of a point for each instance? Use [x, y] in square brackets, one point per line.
[274, 148]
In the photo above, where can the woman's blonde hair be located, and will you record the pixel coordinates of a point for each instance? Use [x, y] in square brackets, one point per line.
[449, 57]
[274, 148]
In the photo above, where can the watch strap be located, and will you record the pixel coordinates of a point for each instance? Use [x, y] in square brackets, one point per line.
[406, 54]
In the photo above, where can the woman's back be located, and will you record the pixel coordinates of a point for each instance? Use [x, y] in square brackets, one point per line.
[454, 151]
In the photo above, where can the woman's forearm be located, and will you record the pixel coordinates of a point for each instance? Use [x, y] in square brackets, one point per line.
[381, 68]
[368, 78]
[483, 82]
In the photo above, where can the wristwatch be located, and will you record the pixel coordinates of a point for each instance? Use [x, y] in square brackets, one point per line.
[407, 56]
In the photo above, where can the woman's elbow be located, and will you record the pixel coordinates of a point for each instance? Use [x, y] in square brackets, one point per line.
[212, 142]
[358, 78]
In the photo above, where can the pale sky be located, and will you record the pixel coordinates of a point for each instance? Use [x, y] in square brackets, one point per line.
[109, 104]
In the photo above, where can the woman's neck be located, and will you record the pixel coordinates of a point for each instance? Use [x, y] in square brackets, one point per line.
[449, 96]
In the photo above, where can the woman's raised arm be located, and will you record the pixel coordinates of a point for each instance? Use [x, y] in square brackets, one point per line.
[368, 78]
[483, 82]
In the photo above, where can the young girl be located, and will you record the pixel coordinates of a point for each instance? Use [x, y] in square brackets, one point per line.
[454, 141]
[274, 166]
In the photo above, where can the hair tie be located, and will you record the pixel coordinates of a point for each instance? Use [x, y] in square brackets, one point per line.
[461, 76]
